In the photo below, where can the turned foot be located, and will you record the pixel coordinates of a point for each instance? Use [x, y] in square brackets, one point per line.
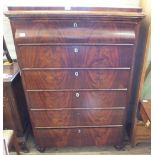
[24, 148]
[40, 149]
[119, 147]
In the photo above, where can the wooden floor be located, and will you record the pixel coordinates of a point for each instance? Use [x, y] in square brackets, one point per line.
[140, 149]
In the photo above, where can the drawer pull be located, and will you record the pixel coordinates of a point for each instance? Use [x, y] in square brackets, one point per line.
[76, 73]
[77, 94]
[79, 131]
[75, 25]
[76, 50]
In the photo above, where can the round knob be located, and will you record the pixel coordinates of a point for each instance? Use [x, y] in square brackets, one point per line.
[76, 50]
[76, 73]
[79, 131]
[77, 94]
[75, 25]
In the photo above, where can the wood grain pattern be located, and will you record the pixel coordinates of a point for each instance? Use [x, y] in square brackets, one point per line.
[7, 112]
[76, 56]
[101, 71]
[74, 117]
[59, 79]
[78, 137]
[86, 99]
[64, 31]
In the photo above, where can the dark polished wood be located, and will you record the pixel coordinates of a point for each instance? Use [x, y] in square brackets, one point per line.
[76, 56]
[77, 69]
[15, 114]
[77, 99]
[73, 31]
[78, 78]
[77, 117]
[79, 136]
[108, 13]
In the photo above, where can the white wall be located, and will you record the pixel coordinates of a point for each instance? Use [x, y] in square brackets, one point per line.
[98, 3]
[8, 37]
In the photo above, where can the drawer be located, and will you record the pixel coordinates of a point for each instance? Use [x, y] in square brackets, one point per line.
[76, 79]
[72, 31]
[78, 137]
[77, 117]
[77, 99]
[75, 56]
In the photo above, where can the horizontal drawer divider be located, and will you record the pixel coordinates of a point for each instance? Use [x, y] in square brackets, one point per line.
[118, 68]
[69, 127]
[75, 44]
[59, 109]
[72, 90]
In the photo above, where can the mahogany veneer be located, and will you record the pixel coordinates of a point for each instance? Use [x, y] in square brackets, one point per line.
[77, 68]
[69, 99]
[76, 79]
[76, 117]
[79, 136]
[86, 57]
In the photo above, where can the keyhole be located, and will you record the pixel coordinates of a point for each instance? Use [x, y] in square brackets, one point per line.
[75, 25]
[76, 74]
[76, 50]
[77, 94]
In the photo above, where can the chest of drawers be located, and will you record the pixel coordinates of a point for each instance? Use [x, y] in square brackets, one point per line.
[77, 68]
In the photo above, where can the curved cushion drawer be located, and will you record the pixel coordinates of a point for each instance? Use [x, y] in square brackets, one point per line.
[78, 136]
[76, 79]
[72, 31]
[74, 117]
[75, 56]
[77, 99]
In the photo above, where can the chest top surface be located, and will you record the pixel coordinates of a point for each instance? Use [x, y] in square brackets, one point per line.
[76, 12]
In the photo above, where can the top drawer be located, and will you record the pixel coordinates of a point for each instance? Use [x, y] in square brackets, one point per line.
[72, 31]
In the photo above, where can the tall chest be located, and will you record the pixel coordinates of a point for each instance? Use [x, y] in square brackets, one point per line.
[77, 69]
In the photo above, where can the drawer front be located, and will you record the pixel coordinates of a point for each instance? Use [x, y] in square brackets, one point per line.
[77, 99]
[75, 56]
[76, 79]
[78, 137]
[77, 117]
[72, 31]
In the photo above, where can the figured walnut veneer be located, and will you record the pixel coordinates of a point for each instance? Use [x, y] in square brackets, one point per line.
[77, 68]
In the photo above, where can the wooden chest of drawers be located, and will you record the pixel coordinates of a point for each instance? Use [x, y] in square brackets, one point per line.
[77, 69]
